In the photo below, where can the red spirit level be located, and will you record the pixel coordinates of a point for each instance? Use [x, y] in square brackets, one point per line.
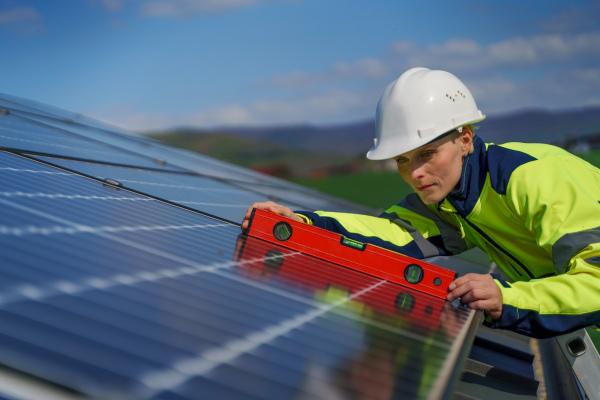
[270, 262]
[367, 258]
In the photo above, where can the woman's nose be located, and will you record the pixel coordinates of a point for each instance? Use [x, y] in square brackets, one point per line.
[416, 171]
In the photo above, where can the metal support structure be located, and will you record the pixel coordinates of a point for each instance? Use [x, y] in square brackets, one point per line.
[583, 357]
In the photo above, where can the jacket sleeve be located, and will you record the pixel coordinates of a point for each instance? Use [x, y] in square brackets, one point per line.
[557, 199]
[409, 227]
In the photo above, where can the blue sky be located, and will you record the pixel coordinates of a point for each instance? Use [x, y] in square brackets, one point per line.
[155, 64]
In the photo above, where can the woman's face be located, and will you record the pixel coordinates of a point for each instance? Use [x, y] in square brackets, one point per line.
[434, 170]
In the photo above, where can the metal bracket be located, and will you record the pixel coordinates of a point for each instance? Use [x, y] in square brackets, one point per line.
[583, 357]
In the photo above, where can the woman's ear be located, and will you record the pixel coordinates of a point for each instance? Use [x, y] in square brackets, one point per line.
[466, 140]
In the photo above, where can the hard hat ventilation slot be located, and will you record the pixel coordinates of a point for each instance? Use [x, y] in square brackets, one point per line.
[456, 96]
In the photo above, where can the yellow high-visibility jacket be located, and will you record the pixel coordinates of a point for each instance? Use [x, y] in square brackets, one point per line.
[533, 208]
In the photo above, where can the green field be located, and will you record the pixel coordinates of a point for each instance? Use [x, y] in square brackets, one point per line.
[374, 189]
[592, 157]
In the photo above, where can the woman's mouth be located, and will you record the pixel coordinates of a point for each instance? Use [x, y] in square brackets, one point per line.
[422, 188]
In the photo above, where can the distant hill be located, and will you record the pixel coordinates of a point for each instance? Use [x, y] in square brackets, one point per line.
[525, 126]
[539, 126]
[282, 160]
[300, 150]
[349, 139]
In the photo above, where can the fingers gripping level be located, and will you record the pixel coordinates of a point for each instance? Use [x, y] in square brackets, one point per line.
[367, 258]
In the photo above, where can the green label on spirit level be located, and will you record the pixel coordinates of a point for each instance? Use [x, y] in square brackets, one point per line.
[352, 243]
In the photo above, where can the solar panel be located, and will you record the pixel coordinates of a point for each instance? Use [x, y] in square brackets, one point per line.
[204, 194]
[23, 134]
[149, 291]
[150, 154]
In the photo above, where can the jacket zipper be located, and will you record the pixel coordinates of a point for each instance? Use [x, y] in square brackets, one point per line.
[489, 239]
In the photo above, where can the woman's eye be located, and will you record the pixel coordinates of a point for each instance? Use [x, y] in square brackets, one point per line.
[401, 160]
[427, 154]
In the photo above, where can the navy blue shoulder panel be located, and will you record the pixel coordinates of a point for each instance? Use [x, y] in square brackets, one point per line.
[472, 179]
[531, 323]
[501, 164]
[411, 249]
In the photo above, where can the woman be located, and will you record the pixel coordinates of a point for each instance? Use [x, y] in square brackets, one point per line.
[533, 208]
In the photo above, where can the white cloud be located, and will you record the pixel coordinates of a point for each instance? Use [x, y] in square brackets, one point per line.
[186, 8]
[23, 20]
[467, 55]
[368, 68]
[317, 108]
[574, 18]
[113, 5]
[456, 55]
[554, 90]
[542, 71]
[18, 15]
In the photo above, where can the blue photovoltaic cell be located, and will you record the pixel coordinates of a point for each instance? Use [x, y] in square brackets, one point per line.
[8, 102]
[138, 144]
[208, 195]
[117, 295]
[174, 157]
[20, 133]
[310, 201]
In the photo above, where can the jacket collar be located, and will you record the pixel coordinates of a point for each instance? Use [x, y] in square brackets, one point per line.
[471, 183]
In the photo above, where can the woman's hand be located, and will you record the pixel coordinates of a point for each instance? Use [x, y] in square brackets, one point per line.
[270, 206]
[479, 292]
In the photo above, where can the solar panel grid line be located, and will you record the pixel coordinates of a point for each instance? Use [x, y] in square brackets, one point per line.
[102, 336]
[214, 357]
[238, 191]
[63, 221]
[405, 377]
[32, 170]
[207, 160]
[241, 184]
[106, 281]
[16, 131]
[29, 141]
[15, 103]
[97, 229]
[240, 199]
[34, 292]
[73, 228]
[251, 383]
[91, 160]
[76, 121]
[172, 173]
[100, 232]
[109, 183]
[171, 186]
[291, 295]
[82, 137]
[72, 196]
[20, 331]
[181, 154]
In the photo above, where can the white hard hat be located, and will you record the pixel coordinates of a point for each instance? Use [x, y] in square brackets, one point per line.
[418, 107]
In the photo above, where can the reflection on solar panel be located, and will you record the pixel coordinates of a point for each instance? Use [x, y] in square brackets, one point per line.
[123, 275]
